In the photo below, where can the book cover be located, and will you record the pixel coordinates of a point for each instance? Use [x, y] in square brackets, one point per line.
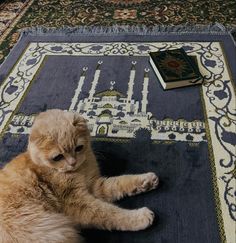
[175, 65]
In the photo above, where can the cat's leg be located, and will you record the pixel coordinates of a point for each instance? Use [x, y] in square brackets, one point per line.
[88, 211]
[115, 188]
[32, 223]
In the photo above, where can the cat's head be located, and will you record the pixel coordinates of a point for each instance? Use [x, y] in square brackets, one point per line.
[60, 140]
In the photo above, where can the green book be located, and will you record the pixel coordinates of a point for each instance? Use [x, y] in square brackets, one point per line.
[174, 68]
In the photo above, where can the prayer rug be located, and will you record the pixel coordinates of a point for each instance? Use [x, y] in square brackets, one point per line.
[186, 136]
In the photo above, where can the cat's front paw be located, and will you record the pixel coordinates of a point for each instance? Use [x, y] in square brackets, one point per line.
[150, 181]
[144, 218]
[146, 182]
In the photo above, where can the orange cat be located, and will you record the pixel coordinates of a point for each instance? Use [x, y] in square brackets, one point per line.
[56, 185]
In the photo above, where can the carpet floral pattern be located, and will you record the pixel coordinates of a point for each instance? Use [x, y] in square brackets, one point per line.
[56, 13]
[9, 11]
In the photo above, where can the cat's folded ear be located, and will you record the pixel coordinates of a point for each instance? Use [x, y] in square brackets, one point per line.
[79, 122]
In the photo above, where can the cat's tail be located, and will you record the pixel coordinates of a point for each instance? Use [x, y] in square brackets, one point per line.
[28, 225]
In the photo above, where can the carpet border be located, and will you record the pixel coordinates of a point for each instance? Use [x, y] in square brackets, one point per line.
[215, 187]
[186, 29]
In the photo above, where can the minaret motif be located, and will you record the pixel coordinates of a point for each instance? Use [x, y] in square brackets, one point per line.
[94, 84]
[145, 91]
[130, 87]
[112, 83]
[78, 90]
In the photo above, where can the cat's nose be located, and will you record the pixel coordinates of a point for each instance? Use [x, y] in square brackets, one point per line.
[71, 161]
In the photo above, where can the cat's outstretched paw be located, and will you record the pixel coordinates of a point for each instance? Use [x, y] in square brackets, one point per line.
[146, 182]
[150, 182]
[144, 218]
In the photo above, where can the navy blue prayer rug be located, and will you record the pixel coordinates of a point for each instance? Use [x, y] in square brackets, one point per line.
[187, 136]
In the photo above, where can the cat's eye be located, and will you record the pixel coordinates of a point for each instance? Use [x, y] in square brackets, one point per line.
[79, 148]
[58, 157]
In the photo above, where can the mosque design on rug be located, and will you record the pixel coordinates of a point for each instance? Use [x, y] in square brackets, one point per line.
[113, 114]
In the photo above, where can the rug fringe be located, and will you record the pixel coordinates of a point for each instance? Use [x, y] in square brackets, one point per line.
[216, 28]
